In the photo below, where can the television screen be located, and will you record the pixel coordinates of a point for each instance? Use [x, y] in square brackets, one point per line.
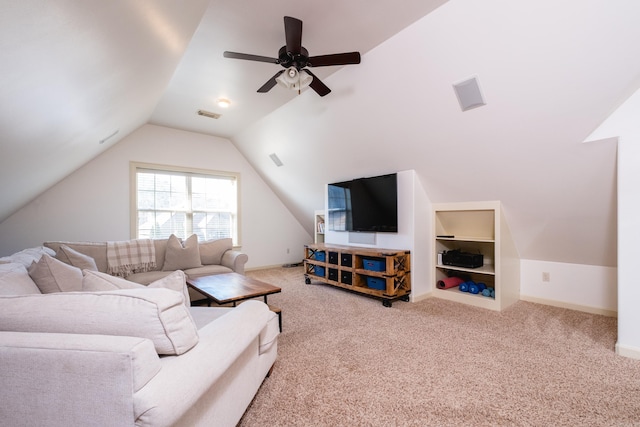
[365, 204]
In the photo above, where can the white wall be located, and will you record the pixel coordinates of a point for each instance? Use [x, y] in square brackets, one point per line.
[623, 124]
[587, 288]
[93, 202]
[628, 237]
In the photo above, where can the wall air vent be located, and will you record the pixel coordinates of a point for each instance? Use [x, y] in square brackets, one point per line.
[469, 94]
[276, 159]
[209, 114]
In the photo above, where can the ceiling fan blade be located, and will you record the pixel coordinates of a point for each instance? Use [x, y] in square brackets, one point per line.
[270, 83]
[334, 59]
[317, 85]
[248, 57]
[293, 34]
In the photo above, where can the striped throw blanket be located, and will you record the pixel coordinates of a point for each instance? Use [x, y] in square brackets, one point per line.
[130, 256]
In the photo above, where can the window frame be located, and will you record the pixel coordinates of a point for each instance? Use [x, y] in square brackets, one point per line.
[134, 167]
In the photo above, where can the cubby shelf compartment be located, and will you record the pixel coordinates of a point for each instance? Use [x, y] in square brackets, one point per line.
[476, 227]
[347, 266]
[318, 222]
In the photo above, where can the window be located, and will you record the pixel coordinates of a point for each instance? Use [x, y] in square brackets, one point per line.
[339, 207]
[183, 202]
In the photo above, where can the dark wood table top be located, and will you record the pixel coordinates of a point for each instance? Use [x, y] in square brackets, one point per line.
[231, 287]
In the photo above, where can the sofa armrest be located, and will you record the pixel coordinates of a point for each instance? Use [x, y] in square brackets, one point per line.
[235, 260]
[73, 379]
[225, 342]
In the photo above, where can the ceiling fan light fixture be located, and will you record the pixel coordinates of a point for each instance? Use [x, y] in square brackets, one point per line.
[224, 103]
[294, 79]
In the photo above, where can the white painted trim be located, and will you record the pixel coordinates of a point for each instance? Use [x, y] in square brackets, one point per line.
[267, 267]
[422, 297]
[626, 351]
[576, 307]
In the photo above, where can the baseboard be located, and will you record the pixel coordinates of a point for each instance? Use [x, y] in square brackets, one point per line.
[630, 352]
[266, 267]
[421, 297]
[560, 304]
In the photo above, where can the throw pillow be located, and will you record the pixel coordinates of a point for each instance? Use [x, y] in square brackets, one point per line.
[211, 251]
[51, 275]
[95, 281]
[78, 259]
[26, 257]
[14, 280]
[182, 256]
[156, 314]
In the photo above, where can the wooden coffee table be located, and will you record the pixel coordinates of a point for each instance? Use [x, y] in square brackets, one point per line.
[231, 288]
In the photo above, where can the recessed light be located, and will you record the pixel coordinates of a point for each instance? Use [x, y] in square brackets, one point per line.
[224, 103]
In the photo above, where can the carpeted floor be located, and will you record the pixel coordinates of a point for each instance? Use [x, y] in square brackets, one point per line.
[345, 360]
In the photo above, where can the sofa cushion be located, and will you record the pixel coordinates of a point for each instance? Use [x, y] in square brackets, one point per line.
[156, 314]
[14, 280]
[95, 281]
[52, 275]
[80, 352]
[78, 259]
[146, 277]
[206, 270]
[211, 251]
[182, 256]
[203, 315]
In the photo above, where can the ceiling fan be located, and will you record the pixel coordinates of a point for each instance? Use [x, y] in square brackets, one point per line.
[295, 58]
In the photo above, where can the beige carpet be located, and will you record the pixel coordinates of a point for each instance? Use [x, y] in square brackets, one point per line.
[345, 360]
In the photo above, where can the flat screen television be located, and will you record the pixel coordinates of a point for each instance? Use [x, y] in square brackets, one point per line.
[364, 204]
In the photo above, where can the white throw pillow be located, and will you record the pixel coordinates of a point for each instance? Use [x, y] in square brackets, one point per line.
[14, 280]
[28, 256]
[52, 275]
[156, 314]
[182, 256]
[95, 281]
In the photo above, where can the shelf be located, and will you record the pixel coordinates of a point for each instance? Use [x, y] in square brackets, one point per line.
[344, 268]
[453, 294]
[467, 239]
[485, 269]
[477, 228]
[318, 226]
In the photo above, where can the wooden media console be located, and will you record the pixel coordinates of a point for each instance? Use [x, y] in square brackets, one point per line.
[381, 273]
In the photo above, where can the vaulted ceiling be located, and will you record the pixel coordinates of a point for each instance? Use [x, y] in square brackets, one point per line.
[78, 76]
[74, 73]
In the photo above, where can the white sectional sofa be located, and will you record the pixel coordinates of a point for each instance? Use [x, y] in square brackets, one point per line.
[116, 353]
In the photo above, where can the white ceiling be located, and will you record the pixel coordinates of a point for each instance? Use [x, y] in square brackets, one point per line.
[73, 72]
[255, 27]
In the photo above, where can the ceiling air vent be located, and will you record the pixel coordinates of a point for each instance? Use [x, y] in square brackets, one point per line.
[209, 114]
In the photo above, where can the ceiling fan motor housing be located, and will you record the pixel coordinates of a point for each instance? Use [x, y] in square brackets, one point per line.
[288, 59]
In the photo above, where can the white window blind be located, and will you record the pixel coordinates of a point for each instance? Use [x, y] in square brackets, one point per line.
[184, 203]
